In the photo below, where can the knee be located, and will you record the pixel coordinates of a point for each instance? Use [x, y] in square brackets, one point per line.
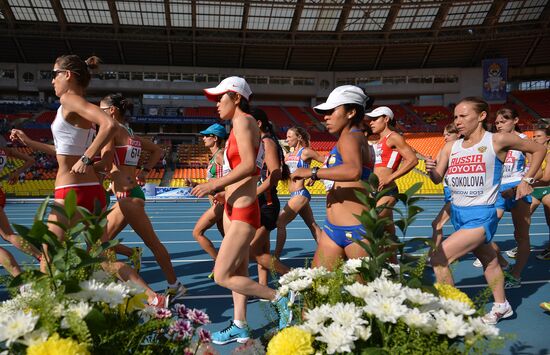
[439, 260]
[222, 279]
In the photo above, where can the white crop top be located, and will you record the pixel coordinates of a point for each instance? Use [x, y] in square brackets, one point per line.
[68, 139]
[474, 173]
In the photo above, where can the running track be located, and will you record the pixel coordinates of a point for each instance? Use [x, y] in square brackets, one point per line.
[174, 222]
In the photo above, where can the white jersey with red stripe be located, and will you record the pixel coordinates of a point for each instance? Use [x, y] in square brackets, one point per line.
[386, 157]
[474, 174]
[514, 165]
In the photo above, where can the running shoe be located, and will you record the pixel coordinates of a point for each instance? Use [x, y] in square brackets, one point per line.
[162, 301]
[511, 282]
[545, 255]
[512, 252]
[545, 306]
[135, 258]
[230, 334]
[477, 263]
[497, 313]
[211, 275]
[176, 292]
[282, 305]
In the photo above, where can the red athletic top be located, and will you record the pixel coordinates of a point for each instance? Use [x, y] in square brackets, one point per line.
[128, 154]
[232, 158]
[385, 156]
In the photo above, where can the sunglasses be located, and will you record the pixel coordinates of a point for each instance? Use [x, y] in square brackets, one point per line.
[105, 109]
[57, 71]
[210, 135]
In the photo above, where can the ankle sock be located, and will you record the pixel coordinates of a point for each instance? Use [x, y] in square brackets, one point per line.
[240, 323]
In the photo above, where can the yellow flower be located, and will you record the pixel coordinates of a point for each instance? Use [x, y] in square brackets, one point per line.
[452, 293]
[58, 346]
[292, 341]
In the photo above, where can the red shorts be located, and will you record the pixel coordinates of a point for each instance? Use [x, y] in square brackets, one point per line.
[86, 195]
[2, 198]
[249, 214]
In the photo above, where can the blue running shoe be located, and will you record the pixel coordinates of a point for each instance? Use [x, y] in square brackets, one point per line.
[283, 309]
[230, 334]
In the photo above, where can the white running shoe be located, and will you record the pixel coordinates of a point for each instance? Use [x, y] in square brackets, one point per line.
[477, 263]
[497, 313]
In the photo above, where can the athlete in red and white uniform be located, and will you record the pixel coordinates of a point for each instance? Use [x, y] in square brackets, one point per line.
[73, 131]
[472, 167]
[242, 212]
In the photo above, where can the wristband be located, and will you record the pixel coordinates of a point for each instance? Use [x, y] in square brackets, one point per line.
[314, 173]
[529, 180]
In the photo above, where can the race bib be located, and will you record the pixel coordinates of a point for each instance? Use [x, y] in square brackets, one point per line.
[466, 175]
[133, 152]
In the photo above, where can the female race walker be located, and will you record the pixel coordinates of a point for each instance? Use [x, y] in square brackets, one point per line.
[5, 228]
[450, 134]
[541, 188]
[472, 167]
[74, 146]
[242, 159]
[130, 206]
[213, 138]
[513, 171]
[297, 138]
[346, 170]
[390, 151]
[273, 169]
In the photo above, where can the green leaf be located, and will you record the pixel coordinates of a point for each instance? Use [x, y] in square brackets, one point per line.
[59, 210]
[25, 277]
[413, 189]
[71, 286]
[41, 212]
[70, 204]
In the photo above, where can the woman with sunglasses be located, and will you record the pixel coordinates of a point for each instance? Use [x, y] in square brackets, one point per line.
[213, 138]
[242, 159]
[347, 168]
[472, 167]
[125, 185]
[74, 147]
[298, 139]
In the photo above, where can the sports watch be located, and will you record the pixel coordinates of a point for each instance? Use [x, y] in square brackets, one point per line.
[86, 160]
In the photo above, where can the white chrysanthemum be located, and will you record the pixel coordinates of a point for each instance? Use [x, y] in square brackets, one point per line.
[101, 276]
[347, 315]
[16, 325]
[386, 309]
[113, 294]
[416, 319]
[134, 288]
[451, 325]
[292, 275]
[147, 313]
[417, 296]
[351, 265]
[481, 328]
[300, 285]
[322, 290]
[35, 337]
[363, 333]
[283, 290]
[359, 290]
[339, 339]
[386, 288]
[81, 309]
[456, 307]
[317, 272]
[386, 273]
[318, 315]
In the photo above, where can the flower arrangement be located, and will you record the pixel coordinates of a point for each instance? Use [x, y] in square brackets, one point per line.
[370, 305]
[76, 308]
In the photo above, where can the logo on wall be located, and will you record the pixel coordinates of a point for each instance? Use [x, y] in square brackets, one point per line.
[495, 76]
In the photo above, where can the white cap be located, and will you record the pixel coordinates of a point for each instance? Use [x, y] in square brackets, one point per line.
[345, 94]
[233, 84]
[381, 111]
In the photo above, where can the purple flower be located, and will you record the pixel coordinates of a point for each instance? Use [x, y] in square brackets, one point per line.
[181, 329]
[181, 310]
[163, 313]
[204, 336]
[198, 316]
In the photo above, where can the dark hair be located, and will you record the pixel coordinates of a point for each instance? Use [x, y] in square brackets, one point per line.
[81, 68]
[118, 101]
[267, 127]
[451, 128]
[359, 113]
[302, 133]
[479, 105]
[509, 113]
[545, 129]
[244, 105]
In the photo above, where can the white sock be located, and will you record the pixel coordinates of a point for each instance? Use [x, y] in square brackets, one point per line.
[240, 323]
[174, 285]
[277, 297]
[502, 305]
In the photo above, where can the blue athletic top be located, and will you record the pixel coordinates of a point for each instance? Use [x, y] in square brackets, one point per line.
[294, 161]
[335, 159]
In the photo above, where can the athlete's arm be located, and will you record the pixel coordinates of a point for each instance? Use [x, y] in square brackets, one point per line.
[28, 162]
[437, 169]
[105, 164]
[409, 156]
[155, 150]
[19, 135]
[273, 163]
[545, 179]
[309, 153]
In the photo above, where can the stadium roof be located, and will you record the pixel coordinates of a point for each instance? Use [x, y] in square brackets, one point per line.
[335, 35]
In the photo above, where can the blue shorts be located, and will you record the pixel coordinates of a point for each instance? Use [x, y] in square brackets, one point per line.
[302, 192]
[506, 204]
[471, 217]
[446, 194]
[341, 234]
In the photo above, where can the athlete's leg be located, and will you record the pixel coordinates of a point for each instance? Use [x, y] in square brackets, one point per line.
[7, 234]
[116, 224]
[287, 215]
[8, 262]
[328, 253]
[522, 221]
[210, 217]
[307, 215]
[437, 225]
